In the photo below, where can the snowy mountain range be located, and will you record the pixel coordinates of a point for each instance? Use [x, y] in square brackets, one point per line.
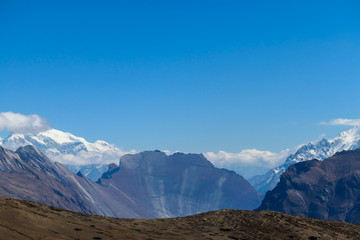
[347, 140]
[92, 159]
[76, 153]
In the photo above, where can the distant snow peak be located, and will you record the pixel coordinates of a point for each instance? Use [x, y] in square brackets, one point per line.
[76, 153]
[66, 148]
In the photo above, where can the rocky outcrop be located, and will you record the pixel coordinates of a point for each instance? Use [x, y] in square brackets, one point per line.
[328, 189]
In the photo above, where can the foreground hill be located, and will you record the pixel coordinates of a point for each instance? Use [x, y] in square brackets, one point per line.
[328, 189]
[28, 220]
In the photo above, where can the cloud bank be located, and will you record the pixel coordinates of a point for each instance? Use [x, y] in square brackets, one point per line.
[19, 123]
[248, 162]
[249, 157]
[88, 157]
[343, 121]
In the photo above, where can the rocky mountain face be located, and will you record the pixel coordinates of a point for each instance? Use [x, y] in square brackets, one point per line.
[145, 185]
[348, 140]
[74, 152]
[328, 189]
[29, 175]
[179, 184]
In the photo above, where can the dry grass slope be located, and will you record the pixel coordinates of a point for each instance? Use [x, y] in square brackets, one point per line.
[28, 220]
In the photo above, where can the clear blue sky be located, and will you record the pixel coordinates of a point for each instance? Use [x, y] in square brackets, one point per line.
[194, 76]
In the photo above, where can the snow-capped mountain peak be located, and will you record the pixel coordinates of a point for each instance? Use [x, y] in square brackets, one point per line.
[60, 137]
[346, 140]
[66, 148]
[60, 146]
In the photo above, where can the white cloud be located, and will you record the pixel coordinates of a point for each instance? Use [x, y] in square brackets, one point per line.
[343, 121]
[19, 123]
[249, 157]
[249, 162]
[168, 152]
[85, 157]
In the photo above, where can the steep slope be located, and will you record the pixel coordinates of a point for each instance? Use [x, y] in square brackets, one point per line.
[348, 140]
[76, 153]
[28, 220]
[28, 174]
[179, 184]
[328, 189]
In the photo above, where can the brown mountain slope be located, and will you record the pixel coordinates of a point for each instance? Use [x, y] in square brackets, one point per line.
[328, 190]
[28, 220]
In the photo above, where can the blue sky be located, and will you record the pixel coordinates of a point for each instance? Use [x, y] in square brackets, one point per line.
[194, 76]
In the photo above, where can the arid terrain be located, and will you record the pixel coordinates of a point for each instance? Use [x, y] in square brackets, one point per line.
[28, 220]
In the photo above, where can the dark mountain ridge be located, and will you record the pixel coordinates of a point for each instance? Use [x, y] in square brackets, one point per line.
[328, 189]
